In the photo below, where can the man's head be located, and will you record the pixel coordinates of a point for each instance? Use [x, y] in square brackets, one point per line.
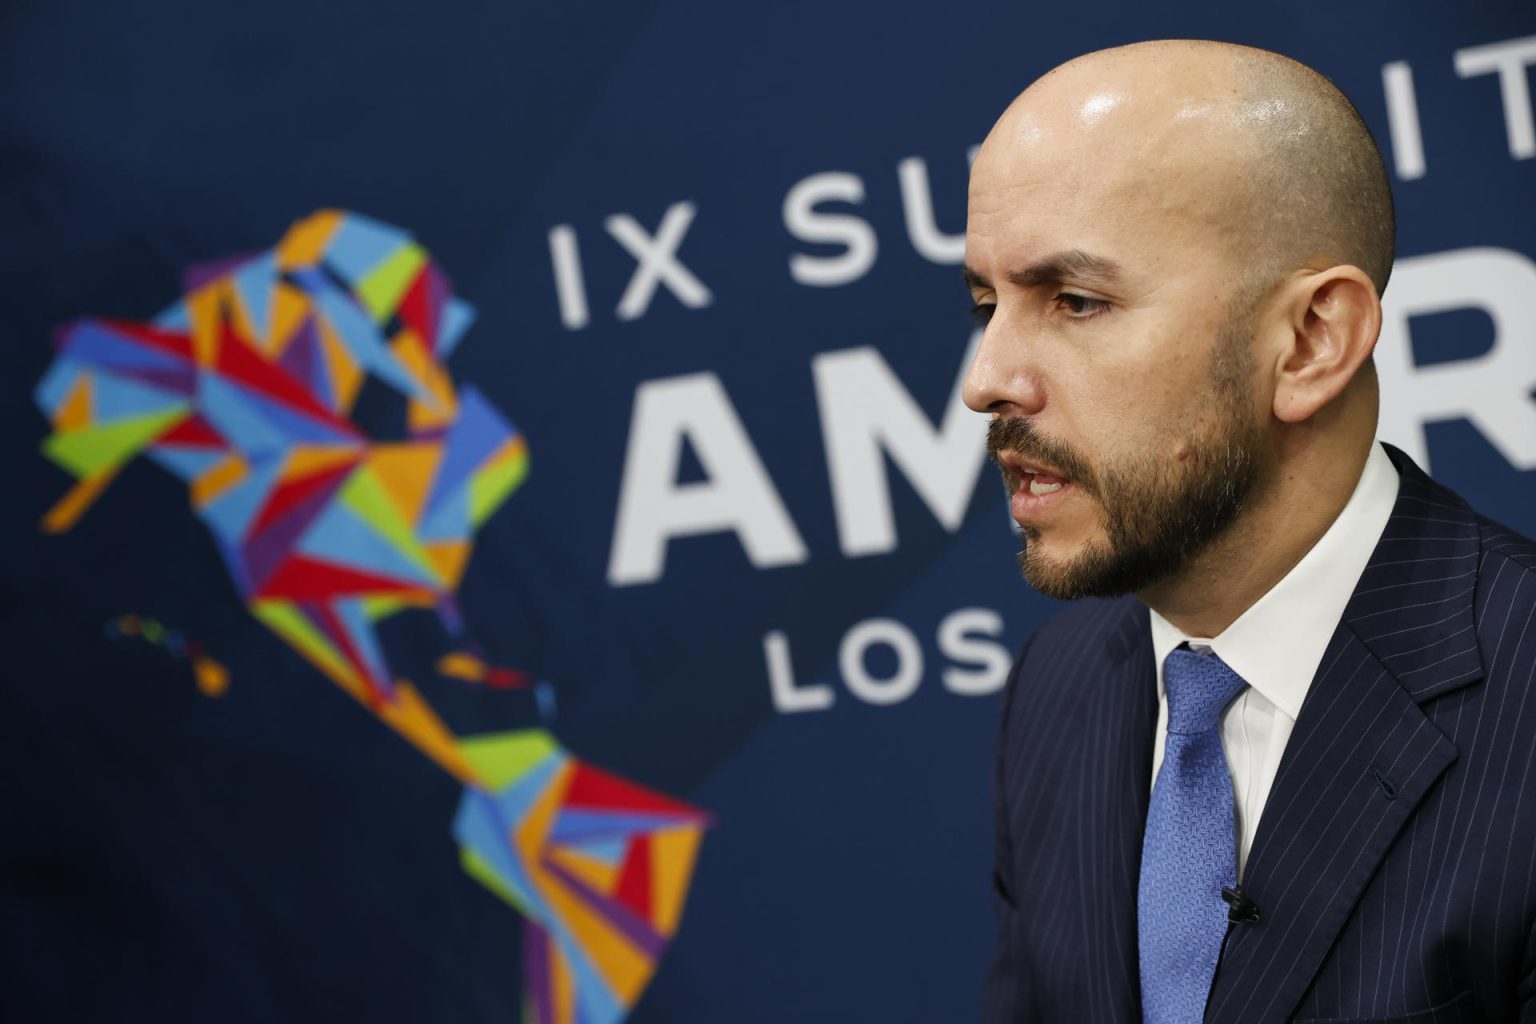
[1178, 248]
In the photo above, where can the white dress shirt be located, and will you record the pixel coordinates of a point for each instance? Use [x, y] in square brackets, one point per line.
[1277, 644]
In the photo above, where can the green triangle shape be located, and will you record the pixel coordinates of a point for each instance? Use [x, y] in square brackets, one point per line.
[503, 756]
[365, 496]
[491, 486]
[90, 450]
[380, 291]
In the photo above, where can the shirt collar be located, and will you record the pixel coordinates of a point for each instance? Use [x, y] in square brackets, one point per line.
[1277, 644]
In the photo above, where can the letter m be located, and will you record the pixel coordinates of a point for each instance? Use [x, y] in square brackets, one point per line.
[867, 414]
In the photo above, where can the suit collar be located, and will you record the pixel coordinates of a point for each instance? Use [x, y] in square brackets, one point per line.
[1277, 643]
[1130, 636]
[1413, 607]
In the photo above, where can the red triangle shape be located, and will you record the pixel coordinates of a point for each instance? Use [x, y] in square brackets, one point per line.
[414, 309]
[634, 888]
[594, 788]
[192, 432]
[292, 493]
[306, 579]
[241, 363]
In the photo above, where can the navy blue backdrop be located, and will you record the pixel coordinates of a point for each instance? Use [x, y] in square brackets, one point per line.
[275, 854]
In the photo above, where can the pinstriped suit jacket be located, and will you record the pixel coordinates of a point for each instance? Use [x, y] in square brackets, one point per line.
[1395, 863]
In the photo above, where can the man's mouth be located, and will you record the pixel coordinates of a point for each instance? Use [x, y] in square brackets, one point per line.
[1043, 483]
[1029, 477]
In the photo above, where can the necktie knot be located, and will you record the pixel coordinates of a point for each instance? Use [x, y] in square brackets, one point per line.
[1199, 687]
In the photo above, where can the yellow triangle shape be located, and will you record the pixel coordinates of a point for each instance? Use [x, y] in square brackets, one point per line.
[203, 317]
[304, 243]
[599, 875]
[309, 459]
[448, 558]
[672, 854]
[405, 471]
[422, 417]
[285, 312]
[240, 316]
[75, 411]
[346, 377]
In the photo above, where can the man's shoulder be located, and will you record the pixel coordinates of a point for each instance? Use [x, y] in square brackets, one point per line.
[1433, 508]
[1451, 576]
[1505, 549]
[1506, 574]
[1502, 551]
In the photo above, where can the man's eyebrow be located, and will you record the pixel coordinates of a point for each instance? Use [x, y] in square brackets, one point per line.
[1058, 266]
[974, 280]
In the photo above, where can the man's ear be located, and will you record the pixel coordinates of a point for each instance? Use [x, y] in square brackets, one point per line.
[1332, 318]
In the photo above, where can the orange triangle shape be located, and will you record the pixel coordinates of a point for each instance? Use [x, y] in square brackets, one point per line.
[346, 376]
[202, 308]
[673, 852]
[308, 459]
[448, 558]
[75, 411]
[411, 353]
[595, 873]
[406, 470]
[306, 240]
[286, 310]
[413, 718]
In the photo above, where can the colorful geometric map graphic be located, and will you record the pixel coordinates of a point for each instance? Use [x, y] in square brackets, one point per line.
[246, 390]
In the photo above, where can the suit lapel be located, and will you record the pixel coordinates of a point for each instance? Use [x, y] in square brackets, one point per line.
[1125, 751]
[1362, 755]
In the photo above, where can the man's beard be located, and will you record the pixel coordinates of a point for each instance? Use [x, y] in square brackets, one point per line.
[1156, 518]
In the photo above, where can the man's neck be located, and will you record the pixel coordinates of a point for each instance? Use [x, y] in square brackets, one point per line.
[1286, 516]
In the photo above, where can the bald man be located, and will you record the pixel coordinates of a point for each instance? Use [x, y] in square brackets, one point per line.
[1275, 763]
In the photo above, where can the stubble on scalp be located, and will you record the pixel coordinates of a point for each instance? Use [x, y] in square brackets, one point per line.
[1316, 189]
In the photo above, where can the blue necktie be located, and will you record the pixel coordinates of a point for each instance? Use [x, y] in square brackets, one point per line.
[1189, 850]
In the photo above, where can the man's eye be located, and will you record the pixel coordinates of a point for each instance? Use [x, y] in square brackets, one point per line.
[1081, 307]
[982, 312]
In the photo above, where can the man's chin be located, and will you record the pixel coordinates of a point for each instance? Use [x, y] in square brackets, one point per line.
[1090, 570]
[1064, 579]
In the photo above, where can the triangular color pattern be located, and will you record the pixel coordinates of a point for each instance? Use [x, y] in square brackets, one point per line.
[592, 788]
[338, 536]
[308, 579]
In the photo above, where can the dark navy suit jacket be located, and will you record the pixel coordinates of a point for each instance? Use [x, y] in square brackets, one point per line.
[1394, 867]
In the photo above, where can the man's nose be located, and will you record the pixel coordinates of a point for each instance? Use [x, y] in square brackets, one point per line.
[1004, 375]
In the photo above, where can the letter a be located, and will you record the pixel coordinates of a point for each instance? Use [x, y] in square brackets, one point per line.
[738, 494]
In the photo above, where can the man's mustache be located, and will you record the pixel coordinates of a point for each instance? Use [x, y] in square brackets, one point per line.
[1019, 436]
